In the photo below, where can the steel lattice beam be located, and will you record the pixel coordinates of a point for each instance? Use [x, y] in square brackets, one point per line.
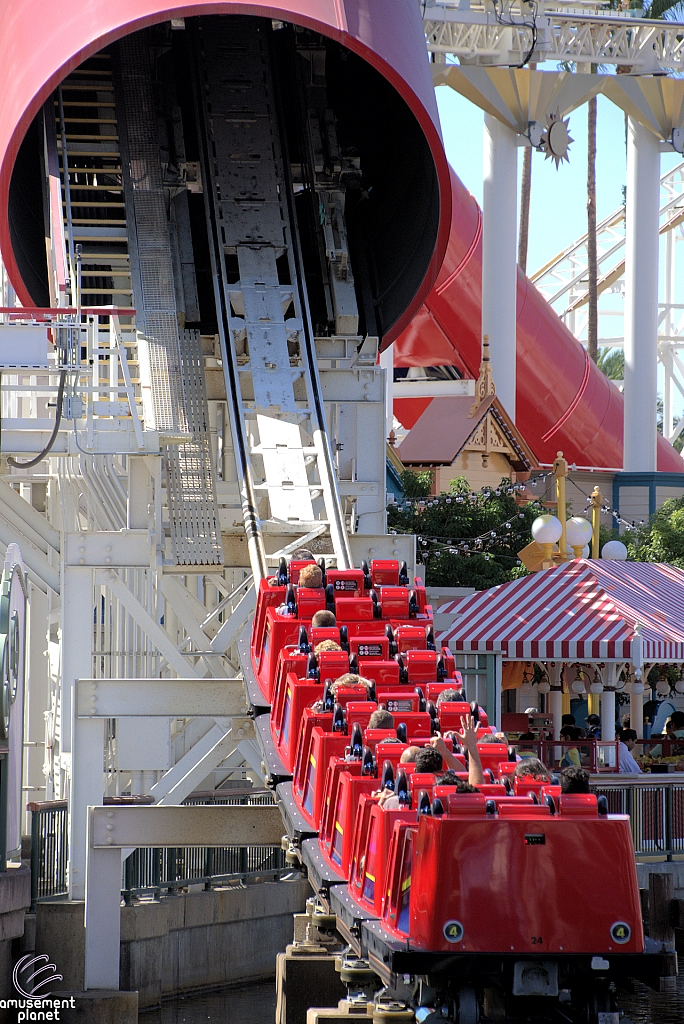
[475, 35]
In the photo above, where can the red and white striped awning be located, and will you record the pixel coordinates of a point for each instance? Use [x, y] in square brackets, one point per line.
[585, 610]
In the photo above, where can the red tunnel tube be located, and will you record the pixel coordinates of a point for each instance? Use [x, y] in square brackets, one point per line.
[41, 42]
[564, 402]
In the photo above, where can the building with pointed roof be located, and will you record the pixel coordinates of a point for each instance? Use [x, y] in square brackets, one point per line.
[458, 436]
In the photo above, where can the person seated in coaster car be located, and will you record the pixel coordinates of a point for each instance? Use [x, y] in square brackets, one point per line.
[432, 758]
[327, 645]
[427, 759]
[323, 619]
[450, 778]
[468, 738]
[574, 780]
[348, 679]
[310, 578]
[534, 767]
[300, 555]
[381, 719]
[449, 697]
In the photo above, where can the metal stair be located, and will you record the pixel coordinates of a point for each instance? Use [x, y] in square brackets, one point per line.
[87, 135]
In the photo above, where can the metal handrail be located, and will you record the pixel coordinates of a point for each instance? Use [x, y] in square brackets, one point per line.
[655, 805]
[151, 871]
[547, 751]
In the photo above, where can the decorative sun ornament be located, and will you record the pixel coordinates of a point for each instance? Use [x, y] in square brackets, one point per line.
[557, 139]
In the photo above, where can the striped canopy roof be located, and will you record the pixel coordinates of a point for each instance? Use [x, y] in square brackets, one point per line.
[584, 610]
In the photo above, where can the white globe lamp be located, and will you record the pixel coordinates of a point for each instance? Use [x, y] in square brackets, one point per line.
[615, 551]
[547, 530]
[679, 686]
[578, 686]
[596, 687]
[637, 686]
[544, 686]
[579, 533]
[663, 687]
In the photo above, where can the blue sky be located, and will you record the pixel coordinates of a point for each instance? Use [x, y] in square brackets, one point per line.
[558, 207]
[558, 204]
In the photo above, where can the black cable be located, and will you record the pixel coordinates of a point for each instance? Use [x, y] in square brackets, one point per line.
[53, 437]
[511, 23]
[534, 42]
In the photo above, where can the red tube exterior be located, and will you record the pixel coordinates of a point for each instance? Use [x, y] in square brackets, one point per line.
[41, 42]
[564, 403]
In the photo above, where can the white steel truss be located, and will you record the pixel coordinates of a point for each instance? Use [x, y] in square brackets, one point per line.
[481, 33]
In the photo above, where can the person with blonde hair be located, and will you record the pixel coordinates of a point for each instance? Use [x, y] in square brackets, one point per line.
[327, 645]
[350, 679]
[311, 576]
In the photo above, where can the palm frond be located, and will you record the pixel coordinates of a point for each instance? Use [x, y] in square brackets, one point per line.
[659, 8]
[611, 361]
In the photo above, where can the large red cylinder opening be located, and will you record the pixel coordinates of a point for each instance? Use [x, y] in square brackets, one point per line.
[379, 93]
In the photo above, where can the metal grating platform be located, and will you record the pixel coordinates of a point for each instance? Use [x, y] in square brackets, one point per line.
[153, 288]
[175, 369]
[194, 522]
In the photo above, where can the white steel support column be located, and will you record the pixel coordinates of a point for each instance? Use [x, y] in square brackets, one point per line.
[608, 715]
[102, 917]
[668, 329]
[77, 640]
[37, 698]
[608, 708]
[500, 254]
[641, 298]
[387, 363]
[608, 702]
[636, 713]
[556, 697]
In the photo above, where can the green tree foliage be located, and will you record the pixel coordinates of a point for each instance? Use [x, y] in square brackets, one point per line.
[416, 485]
[468, 538]
[612, 362]
[659, 10]
[662, 538]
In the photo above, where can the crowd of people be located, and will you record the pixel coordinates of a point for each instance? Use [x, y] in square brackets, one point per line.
[575, 754]
[437, 758]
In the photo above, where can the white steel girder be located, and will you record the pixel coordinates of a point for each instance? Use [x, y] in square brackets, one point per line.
[110, 829]
[476, 34]
[167, 698]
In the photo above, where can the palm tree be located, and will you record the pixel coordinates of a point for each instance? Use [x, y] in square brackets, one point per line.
[612, 362]
[525, 192]
[592, 264]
